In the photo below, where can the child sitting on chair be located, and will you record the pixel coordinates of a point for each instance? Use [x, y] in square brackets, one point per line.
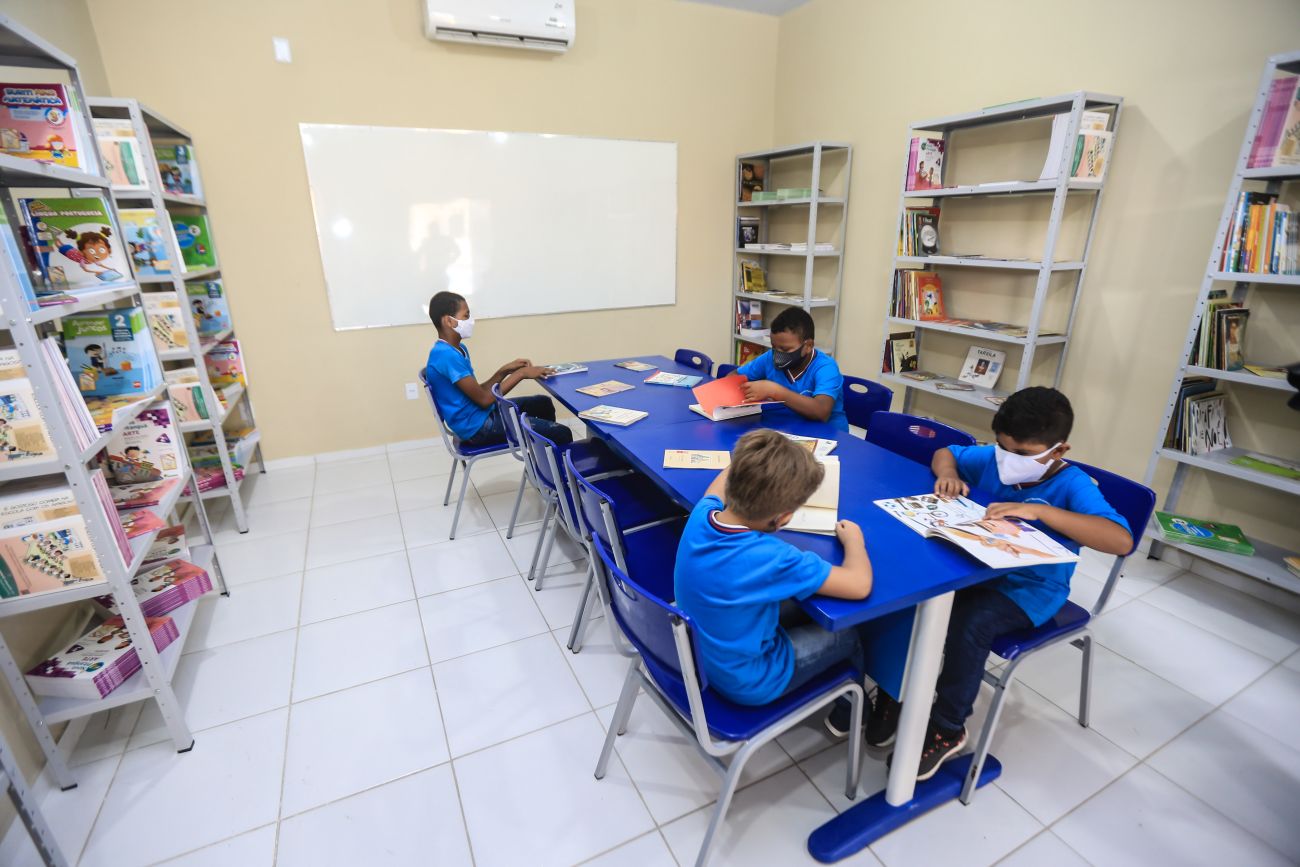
[806, 381]
[732, 576]
[1027, 478]
[467, 405]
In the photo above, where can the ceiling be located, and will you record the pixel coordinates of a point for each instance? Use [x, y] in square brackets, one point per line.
[766, 7]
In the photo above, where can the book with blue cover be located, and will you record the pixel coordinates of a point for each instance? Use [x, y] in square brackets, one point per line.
[111, 352]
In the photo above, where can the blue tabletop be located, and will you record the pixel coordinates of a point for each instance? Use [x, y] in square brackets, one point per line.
[666, 404]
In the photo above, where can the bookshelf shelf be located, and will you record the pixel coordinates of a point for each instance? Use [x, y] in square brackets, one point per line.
[821, 167]
[169, 198]
[20, 47]
[1070, 107]
[761, 341]
[1267, 563]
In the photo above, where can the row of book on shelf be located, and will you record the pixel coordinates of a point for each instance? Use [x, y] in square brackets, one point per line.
[753, 281]
[981, 369]
[918, 296]
[1221, 338]
[1277, 139]
[1263, 238]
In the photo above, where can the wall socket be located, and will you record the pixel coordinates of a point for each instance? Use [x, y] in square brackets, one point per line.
[412, 391]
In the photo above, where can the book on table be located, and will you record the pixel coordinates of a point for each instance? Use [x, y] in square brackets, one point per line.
[822, 510]
[613, 415]
[1205, 534]
[603, 389]
[633, 364]
[566, 368]
[819, 447]
[678, 380]
[695, 459]
[1001, 543]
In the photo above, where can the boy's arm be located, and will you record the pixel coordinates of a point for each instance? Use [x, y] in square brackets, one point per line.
[947, 481]
[520, 374]
[817, 407]
[853, 579]
[506, 369]
[1092, 531]
[718, 487]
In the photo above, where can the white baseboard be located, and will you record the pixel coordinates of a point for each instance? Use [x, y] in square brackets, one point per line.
[351, 454]
[1261, 590]
[290, 463]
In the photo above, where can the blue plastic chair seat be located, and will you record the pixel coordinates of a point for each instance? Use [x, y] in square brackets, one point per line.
[1070, 618]
[470, 451]
[738, 722]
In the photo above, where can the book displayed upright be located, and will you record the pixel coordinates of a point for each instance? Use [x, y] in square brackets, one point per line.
[925, 164]
[37, 123]
[122, 155]
[76, 243]
[146, 449]
[166, 320]
[142, 232]
[195, 240]
[178, 170]
[209, 306]
[111, 352]
[1277, 139]
[983, 366]
[24, 438]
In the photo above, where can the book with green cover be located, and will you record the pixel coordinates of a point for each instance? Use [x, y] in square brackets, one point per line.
[1272, 466]
[1207, 534]
[195, 241]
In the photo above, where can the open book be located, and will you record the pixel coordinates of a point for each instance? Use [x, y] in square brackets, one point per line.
[725, 398]
[613, 415]
[822, 510]
[998, 542]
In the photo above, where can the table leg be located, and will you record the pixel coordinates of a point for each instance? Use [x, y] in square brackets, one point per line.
[923, 661]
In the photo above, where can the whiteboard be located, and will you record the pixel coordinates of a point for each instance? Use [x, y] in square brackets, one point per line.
[518, 223]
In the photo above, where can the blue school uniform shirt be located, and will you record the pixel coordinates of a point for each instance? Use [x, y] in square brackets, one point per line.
[1042, 590]
[732, 581]
[821, 376]
[448, 365]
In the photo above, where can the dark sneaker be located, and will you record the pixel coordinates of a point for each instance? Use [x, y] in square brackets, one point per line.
[882, 725]
[839, 719]
[940, 746]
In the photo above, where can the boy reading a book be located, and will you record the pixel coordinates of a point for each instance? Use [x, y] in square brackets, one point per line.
[1028, 479]
[467, 405]
[807, 382]
[733, 576]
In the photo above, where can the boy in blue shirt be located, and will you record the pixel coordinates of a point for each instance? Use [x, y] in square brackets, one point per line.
[732, 576]
[807, 382]
[467, 405]
[1025, 473]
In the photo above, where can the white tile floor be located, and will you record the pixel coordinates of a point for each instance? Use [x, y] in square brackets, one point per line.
[374, 694]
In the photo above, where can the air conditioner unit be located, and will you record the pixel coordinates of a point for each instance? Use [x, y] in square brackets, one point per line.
[544, 25]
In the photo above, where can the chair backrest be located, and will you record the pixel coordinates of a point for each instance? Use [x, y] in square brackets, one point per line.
[862, 398]
[914, 437]
[595, 512]
[544, 456]
[449, 439]
[510, 416]
[724, 369]
[697, 360]
[1134, 502]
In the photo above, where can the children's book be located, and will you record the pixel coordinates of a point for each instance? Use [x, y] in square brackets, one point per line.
[23, 504]
[983, 366]
[752, 278]
[36, 123]
[145, 449]
[98, 662]
[76, 244]
[613, 415]
[1089, 122]
[566, 368]
[144, 495]
[724, 413]
[143, 234]
[165, 588]
[46, 556]
[122, 156]
[751, 179]
[23, 435]
[603, 389]
[180, 174]
[195, 240]
[1092, 155]
[169, 544]
[140, 522]
[820, 448]
[208, 304]
[925, 164]
[747, 352]
[33, 295]
[929, 290]
[1205, 423]
[998, 542]
[225, 364]
[692, 459]
[821, 512]
[725, 393]
[638, 366]
[902, 352]
[1281, 93]
[1206, 534]
[680, 380]
[110, 352]
[166, 321]
[1266, 464]
[188, 402]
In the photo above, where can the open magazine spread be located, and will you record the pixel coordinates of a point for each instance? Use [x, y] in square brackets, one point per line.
[998, 542]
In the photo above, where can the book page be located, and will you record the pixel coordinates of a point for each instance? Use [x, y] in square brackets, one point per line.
[686, 459]
[1006, 542]
[926, 512]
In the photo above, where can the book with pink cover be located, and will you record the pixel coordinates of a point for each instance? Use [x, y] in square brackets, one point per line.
[36, 123]
[166, 587]
[142, 496]
[98, 662]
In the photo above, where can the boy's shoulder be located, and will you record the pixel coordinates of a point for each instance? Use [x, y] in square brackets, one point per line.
[826, 362]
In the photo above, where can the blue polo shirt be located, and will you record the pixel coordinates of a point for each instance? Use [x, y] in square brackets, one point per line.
[447, 366]
[732, 581]
[1041, 591]
[821, 376]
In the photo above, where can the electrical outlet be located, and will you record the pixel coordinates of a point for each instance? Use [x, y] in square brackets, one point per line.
[412, 391]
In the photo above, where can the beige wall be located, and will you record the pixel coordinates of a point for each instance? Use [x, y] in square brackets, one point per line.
[652, 69]
[1188, 72]
[66, 24]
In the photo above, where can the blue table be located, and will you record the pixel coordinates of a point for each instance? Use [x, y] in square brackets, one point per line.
[909, 570]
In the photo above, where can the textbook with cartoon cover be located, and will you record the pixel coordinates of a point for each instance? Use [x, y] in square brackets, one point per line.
[1001, 543]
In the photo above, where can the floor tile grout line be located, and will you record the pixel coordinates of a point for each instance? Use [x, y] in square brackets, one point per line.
[1212, 632]
[220, 842]
[99, 808]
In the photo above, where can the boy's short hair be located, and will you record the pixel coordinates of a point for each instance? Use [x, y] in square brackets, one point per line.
[1036, 415]
[444, 304]
[794, 320]
[770, 475]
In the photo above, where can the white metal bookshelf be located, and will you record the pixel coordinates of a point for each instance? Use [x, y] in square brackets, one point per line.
[1058, 188]
[1267, 562]
[25, 328]
[148, 125]
[29, 812]
[836, 205]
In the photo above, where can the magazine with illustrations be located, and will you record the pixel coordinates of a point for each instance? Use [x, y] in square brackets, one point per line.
[50, 555]
[76, 242]
[225, 364]
[143, 235]
[169, 544]
[98, 662]
[145, 449]
[603, 389]
[111, 353]
[983, 366]
[195, 240]
[566, 368]
[122, 156]
[37, 123]
[680, 380]
[613, 415]
[997, 542]
[139, 522]
[638, 366]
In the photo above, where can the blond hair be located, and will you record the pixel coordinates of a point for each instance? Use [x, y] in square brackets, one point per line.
[770, 475]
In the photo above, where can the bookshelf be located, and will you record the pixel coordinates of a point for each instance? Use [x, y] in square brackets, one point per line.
[815, 282]
[24, 330]
[29, 812]
[1255, 290]
[1058, 283]
[150, 126]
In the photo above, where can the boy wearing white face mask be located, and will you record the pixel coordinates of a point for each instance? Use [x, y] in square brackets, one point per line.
[1025, 474]
[465, 403]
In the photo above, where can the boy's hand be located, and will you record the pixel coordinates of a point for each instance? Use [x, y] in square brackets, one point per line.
[948, 487]
[1027, 511]
[512, 366]
[533, 372]
[849, 534]
[762, 389]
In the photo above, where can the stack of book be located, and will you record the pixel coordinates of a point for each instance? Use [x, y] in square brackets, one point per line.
[111, 353]
[918, 234]
[900, 353]
[98, 662]
[1221, 339]
[1277, 141]
[1200, 422]
[165, 588]
[85, 427]
[44, 545]
[169, 544]
[918, 295]
[1264, 237]
[818, 247]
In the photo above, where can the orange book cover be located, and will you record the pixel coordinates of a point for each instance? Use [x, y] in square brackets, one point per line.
[929, 292]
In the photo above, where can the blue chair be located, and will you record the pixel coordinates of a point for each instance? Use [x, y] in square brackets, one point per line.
[862, 398]
[665, 666]
[697, 360]
[511, 415]
[724, 369]
[1135, 503]
[912, 436]
[633, 519]
[462, 456]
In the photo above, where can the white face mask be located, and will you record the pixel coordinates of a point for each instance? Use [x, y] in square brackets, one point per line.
[465, 328]
[1014, 469]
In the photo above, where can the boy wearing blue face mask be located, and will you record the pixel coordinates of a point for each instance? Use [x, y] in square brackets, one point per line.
[807, 382]
[1027, 478]
[467, 405]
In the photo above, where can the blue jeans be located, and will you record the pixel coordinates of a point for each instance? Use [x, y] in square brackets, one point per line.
[817, 649]
[541, 414]
[979, 615]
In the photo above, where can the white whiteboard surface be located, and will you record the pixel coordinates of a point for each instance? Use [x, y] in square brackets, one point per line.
[518, 223]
